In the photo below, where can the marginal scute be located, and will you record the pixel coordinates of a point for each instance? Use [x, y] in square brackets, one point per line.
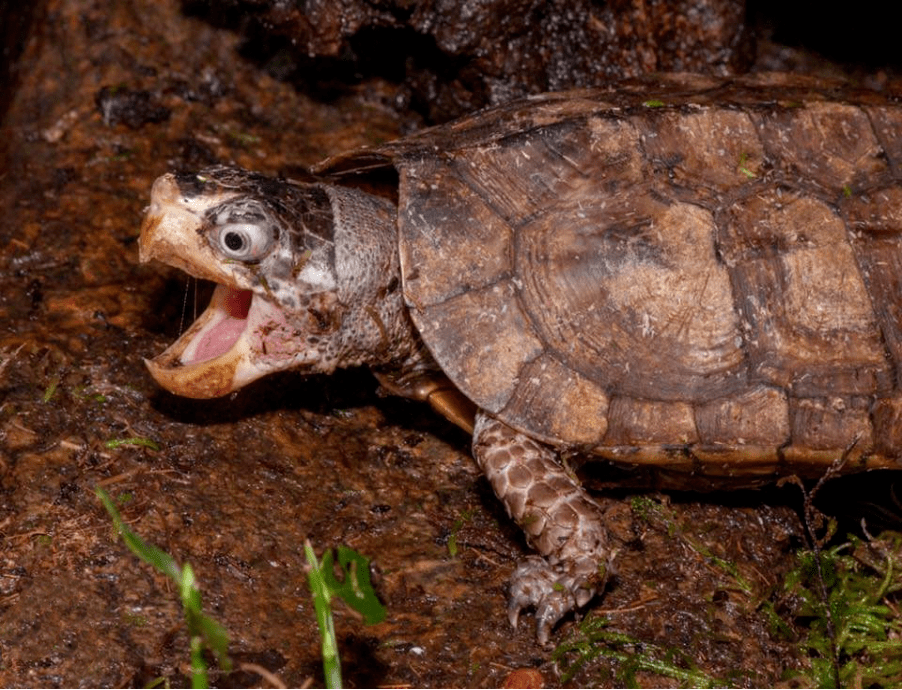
[874, 211]
[827, 425]
[558, 405]
[757, 417]
[887, 416]
[887, 124]
[614, 146]
[634, 422]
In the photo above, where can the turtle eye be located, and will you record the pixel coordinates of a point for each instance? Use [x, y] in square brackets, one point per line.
[244, 241]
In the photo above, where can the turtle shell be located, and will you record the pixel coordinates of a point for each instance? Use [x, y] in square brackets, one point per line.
[704, 276]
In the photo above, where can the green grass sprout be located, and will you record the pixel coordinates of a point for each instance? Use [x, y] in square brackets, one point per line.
[458, 524]
[51, 388]
[322, 604]
[203, 631]
[743, 167]
[852, 630]
[354, 589]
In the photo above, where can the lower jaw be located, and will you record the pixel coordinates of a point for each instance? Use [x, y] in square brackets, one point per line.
[203, 363]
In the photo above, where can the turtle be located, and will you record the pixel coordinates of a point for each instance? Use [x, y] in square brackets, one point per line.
[693, 277]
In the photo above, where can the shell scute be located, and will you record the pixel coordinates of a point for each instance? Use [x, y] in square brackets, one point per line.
[555, 402]
[791, 258]
[875, 221]
[755, 417]
[483, 339]
[641, 422]
[887, 416]
[716, 147]
[622, 279]
[887, 123]
[442, 216]
[711, 286]
[830, 423]
[832, 144]
[876, 212]
[524, 174]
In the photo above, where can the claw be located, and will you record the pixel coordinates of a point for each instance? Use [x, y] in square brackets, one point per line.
[552, 589]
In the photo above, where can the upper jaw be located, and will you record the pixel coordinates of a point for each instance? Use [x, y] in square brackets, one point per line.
[172, 231]
[216, 354]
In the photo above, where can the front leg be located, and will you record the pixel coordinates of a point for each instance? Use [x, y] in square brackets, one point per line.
[559, 518]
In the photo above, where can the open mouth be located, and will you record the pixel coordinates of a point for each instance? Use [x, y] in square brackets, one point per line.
[212, 357]
[245, 332]
[216, 355]
[224, 322]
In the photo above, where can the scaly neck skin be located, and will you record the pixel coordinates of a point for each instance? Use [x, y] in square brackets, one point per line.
[376, 327]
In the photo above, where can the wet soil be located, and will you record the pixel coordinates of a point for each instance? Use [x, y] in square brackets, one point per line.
[110, 96]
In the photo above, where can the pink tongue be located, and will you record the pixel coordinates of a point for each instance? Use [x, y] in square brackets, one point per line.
[220, 339]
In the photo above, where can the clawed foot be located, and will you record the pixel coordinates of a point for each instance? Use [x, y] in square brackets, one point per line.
[553, 589]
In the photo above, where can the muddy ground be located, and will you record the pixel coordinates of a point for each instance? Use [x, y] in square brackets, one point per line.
[110, 96]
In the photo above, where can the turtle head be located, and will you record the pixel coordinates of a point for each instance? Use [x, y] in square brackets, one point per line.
[303, 276]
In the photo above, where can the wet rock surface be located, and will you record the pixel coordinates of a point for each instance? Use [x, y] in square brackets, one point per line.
[456, 57]
[448, 58]
[108, 98]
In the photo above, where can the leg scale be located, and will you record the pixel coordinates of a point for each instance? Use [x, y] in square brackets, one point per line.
[561, 521]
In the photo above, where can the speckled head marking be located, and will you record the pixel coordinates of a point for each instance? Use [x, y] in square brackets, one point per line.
[303, 272]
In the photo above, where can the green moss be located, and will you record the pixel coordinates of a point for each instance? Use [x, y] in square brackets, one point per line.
[838, 605]
[594, 640]
[842, 599]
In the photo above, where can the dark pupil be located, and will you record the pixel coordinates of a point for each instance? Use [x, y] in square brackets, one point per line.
[234, 241]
